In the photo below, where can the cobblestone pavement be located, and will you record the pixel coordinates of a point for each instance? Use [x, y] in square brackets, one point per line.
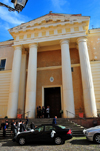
[75, 144]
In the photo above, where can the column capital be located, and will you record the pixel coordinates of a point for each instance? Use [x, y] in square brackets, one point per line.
[17, 47]
[82, 39]
[64, 41]
[33, 45]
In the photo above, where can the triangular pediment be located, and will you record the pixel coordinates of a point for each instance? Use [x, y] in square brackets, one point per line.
[51, 19]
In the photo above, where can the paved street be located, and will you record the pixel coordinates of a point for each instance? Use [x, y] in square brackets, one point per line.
[75, 144]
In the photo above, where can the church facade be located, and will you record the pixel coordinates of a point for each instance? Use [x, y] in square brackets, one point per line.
[52, 61]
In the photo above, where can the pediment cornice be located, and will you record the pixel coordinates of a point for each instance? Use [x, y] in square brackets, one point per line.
[50, 20]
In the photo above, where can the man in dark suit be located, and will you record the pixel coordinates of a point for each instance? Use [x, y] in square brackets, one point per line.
[32, 126]
[3, 125]
[27, 120]
[22, 126]
[14, 129]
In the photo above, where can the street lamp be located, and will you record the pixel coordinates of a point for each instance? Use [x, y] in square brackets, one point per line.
[18, 5]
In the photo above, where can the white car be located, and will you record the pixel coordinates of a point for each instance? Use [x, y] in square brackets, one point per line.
[93, 134]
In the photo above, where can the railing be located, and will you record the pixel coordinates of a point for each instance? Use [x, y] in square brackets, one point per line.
[81, 118]
[86, 122]
[26, 114]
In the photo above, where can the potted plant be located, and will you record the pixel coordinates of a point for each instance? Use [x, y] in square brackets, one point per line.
[61, 111]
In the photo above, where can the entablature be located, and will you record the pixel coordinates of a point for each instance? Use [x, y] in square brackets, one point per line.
[45, 41]
[49, 33]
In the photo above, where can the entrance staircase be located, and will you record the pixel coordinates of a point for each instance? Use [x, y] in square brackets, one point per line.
[77, 130]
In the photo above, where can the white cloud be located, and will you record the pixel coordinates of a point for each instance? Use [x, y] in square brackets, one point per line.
[59, 4]
[13, 18]
[9, 19]
[7, 2]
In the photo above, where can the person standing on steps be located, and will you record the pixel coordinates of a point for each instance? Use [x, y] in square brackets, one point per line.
[48, 112]
[39, 112]
[22, 127]
[3, 125]
[12, 122]
[26, 123]
[15, 129]
[54, 120]
[43, 111]
[7, 123]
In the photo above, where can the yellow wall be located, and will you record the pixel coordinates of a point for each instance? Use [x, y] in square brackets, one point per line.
[43, 80]
[94, 46]
[49, 58]
[7, 52]
[4, 91]
[53, 58]
[95, 67]
[74, 55]
[78, 90]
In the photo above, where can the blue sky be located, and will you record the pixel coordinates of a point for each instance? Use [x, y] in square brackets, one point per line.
[37, 8]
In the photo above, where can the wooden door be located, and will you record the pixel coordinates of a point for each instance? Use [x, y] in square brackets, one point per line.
[53, 99]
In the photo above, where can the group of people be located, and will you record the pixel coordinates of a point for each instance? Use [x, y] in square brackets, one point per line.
[16, 126]
[42, 112]
[20, 126]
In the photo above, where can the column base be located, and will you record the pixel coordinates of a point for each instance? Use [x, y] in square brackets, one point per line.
[12, 106]
[30, 105]
[69, 111]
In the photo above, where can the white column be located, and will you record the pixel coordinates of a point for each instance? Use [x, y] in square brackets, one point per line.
[31, 81]
[87, 81]
[14, 86]
[68, 97]
[22, 85]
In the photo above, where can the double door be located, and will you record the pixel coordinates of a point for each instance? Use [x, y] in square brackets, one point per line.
[52, 98]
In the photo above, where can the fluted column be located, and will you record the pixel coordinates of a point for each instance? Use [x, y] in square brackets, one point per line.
[31, 81]
[68, 97]
[87, 81]
[14, 86]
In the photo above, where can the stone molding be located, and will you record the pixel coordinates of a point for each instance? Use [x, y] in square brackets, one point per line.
[7, 43]
[33, 45]
[47, 26]
[17, 47]
[82, 39]
[64, 41]
[50, 38]
[94, 31]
